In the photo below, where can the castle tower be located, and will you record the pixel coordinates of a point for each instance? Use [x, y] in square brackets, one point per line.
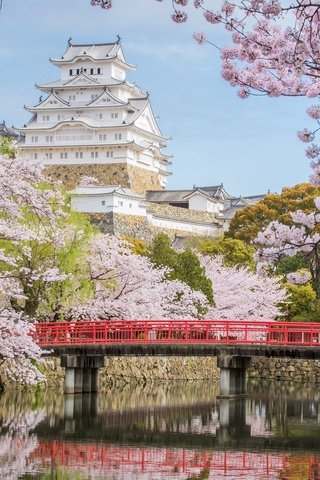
[93, 122]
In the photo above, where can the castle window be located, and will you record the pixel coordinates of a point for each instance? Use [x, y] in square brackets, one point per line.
[49, 138]
[48, 156]
[114, 115]
[100, 115]
[103, 202]
[79, 154]
[63, 155]
[102, 136]
[94, 96]
[34, 156]
[120, 203]
[109, 154]
[118, 136]
[34, 139]
[91, 71]
[70, 72]
[45, 118]
[72, 97]
[94, 154]
[130, 205]
[99, 71]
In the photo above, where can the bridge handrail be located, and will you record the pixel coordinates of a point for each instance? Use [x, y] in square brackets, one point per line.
[259, 332]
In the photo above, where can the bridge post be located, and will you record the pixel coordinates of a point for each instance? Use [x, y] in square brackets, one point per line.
[81, 373]
[232, 374]
[87, 376]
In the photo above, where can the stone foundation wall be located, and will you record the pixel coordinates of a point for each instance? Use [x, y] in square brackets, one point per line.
[131, 226]
[178, 213]
[285, 369]
[142, 180]
[123, 370]
[137, 179]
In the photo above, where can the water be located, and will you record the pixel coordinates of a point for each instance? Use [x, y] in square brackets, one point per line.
[166, 431]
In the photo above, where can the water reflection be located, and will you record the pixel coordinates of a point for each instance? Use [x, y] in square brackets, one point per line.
[161, 432]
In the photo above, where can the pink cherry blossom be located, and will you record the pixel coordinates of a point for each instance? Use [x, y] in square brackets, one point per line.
[179, 17]
[241, 294]
[200, 38]
[306, 136]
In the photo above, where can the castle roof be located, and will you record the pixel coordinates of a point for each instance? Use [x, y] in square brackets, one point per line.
[8, 132]
[82, 189]
[166, 196]
[95, 52]
[181, 196]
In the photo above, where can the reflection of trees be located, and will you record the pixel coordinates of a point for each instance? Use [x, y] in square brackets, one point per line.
[172, 393]
[283, 403]
[16, 444]
[301, 467]
[203, 475]
[59, 474]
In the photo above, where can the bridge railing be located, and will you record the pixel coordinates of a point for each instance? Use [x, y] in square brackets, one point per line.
[173, 331]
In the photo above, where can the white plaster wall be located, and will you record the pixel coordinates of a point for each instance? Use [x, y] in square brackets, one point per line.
[198, 202]
[113, 203]
[183, 225]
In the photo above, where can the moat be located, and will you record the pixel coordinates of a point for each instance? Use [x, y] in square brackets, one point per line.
[164, 431]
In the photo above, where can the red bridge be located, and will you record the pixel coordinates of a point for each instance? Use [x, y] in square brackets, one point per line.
[83, 345]
[228, 332]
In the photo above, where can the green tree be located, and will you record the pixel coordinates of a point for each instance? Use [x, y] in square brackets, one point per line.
[248, 222]
[160, 251]
[184, 266]
[302, 304]
[6, 148]
[234, 252]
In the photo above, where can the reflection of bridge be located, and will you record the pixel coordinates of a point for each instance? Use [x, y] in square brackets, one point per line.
[82, 345]
[148, 461]
[217, 426]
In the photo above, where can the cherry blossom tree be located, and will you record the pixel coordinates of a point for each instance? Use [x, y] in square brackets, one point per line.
[241, 294]
[279, 240]
[129, 286]
[34, 232]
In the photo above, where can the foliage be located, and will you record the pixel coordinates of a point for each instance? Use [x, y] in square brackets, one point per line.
[138, 246]
[183, 266]
[247, 223]
[301, 300]
[6, 148]
[72, 261]
[234, 252]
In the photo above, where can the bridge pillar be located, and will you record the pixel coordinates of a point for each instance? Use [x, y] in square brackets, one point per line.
[81, 373]
[87, 376]
[232, 374]
[94, 380]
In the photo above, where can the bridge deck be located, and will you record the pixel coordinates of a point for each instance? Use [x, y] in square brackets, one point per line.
[172, 337]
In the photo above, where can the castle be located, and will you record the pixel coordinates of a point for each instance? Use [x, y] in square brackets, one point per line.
[93, 122]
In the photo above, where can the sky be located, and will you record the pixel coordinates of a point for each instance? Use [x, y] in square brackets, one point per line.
[250, 146]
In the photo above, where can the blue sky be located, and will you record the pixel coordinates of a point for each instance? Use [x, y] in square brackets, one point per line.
[248, 145]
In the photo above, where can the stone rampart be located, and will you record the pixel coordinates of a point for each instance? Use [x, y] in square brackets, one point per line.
[122, 370]
[137, 179]
[178, 213]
